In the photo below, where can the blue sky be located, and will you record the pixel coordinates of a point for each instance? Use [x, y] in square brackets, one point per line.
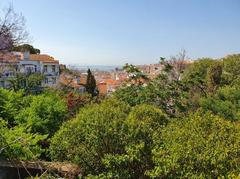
[114, 32]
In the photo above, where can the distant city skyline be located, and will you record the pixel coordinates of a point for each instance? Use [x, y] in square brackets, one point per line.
[108, 32]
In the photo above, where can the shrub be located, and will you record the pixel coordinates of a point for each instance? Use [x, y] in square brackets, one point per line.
[110, 139]
[200, 146]
[44, 114]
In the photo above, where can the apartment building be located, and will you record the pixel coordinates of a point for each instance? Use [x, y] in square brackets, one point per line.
[8, 68]
[25, 63]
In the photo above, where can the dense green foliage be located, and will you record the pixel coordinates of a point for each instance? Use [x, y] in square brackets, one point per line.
[225, 102]
[199, 146]
[91, 83]
[110, 139]
[26, 47]
[17, 143]
[180, 124]
[30, 83]
[164, 92]
[231, 65]
[44, 114]
[10, 104]
[26, 121]
[98, 130]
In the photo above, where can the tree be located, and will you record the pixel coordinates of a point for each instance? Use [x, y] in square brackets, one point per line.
[167, 93]
[132, 95]
[44, 114]
[196, 74]
[136, 77]
[214, 76]
[30, 83]
[179, 64]
[195, 78]
[91, 83]
[12, 29]
[75, 101]
[26, 47]
[231, 69]
[224, 102]
[10, 104]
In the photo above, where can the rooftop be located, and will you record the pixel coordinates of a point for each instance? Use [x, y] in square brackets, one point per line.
[43, 58]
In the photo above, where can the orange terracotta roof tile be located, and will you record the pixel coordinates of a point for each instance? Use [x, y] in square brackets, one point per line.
[8, 58]
[43, 58]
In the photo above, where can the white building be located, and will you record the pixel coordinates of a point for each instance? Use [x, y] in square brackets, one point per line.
[8, 69]
[26, 63]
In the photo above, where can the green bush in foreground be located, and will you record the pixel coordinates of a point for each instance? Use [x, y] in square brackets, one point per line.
[110, 140]
[10, 104]
[44, 115]
[200, 146]
[96, 131]
[16, 143]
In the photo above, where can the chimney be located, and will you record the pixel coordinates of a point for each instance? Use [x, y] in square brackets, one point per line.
[26, 55]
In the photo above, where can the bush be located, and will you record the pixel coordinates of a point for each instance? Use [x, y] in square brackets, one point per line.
[109, 140]
[44, 114]
[200, 146]
[144, 123]
[16, 143]
[226, 102]
[10, 104]
[97, 130]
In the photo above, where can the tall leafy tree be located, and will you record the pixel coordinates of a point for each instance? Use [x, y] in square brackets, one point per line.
[231, 69]
[214, 76]
[26, 47]
[196, 75]
[165, 92]
[225, 102]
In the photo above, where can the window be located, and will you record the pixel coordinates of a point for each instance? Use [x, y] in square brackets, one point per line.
[53, 80]
[2, 84]
[30, 69]
[46, 80]
[11, 73]
[53, 68]
[45, 68]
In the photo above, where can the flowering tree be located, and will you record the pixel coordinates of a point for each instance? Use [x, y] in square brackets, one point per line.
[12, 29]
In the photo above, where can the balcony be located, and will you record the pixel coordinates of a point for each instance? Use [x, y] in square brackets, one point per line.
[7, 75]
[51, 73]
[28, 72]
